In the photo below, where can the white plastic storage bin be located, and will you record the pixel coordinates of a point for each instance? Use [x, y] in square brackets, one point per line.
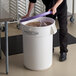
[38, 43]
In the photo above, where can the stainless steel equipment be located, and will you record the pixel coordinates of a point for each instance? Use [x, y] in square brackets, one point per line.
[4, 17]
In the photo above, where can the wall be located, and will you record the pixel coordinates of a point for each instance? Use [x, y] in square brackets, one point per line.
[69, 4]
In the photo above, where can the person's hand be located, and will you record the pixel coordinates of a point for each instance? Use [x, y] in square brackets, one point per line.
[27, 15]
[54, 10]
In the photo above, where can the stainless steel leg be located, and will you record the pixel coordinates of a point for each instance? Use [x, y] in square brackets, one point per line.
[72, 16]
[0, 41]
[6, 36]
[73, 8]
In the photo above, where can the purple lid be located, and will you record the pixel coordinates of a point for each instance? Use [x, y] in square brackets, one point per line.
[40, 15]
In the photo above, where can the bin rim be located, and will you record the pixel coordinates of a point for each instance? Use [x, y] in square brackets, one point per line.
[35, 20]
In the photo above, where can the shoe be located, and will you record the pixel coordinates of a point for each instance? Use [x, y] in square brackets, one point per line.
[63, 56]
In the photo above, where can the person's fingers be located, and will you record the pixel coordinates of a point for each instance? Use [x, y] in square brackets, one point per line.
[25, 16]
[54, 11]
[50, 10]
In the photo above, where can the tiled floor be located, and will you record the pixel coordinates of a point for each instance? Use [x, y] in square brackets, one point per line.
[67, 68]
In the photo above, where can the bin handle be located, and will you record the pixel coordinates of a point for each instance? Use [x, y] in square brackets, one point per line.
[53, 29]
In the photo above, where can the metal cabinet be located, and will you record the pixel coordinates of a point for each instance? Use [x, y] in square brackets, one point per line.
[39, 7]
[18, 8]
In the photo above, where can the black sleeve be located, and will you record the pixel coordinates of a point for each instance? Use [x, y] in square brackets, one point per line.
[33, 1]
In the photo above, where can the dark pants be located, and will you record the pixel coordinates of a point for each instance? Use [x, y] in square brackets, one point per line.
[62, 19]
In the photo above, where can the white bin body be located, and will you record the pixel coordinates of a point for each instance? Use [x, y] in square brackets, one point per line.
[37, 44]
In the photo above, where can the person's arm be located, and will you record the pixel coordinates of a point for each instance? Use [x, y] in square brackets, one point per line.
[54, 8]
[31, 6]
